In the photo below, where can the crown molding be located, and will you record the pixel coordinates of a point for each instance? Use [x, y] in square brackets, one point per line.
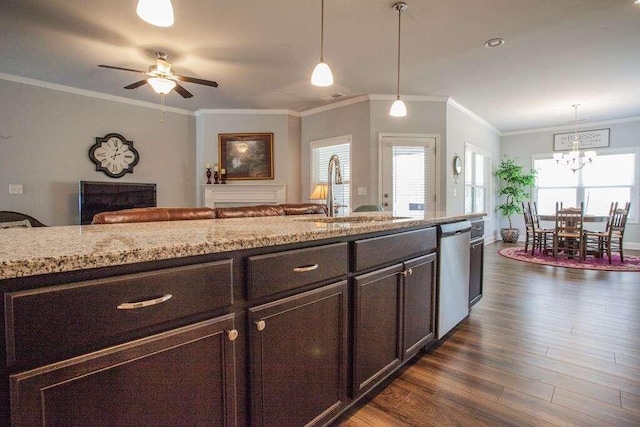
[573, 126]
[91, 94]
[455, 104]
[247, 111]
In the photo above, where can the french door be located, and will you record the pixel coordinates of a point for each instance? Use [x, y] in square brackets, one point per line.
[408, 176]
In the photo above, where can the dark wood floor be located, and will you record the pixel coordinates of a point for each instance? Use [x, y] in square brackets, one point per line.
[545, 346]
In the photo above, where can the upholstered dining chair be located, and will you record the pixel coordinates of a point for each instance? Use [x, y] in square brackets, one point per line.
[9, 217]
[568, 235]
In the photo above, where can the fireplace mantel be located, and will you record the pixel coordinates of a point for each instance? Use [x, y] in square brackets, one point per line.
[228, 195]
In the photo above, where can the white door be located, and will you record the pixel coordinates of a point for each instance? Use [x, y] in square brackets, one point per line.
[408, 176]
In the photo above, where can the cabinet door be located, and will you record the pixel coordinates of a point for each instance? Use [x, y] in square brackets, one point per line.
[377, 327]
[299, 357]
[419, 303]
[180, 377]
[475, 271]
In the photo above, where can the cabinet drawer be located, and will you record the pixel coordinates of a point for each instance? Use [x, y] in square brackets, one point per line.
[47, 322]
[283, 271]
[477, 229]
[396, 247]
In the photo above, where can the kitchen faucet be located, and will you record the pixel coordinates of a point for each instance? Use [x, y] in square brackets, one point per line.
[333, 162]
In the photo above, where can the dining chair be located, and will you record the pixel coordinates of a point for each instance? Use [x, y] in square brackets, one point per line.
[599, 242]
[618, 225]
[568, 235]
[541, 238]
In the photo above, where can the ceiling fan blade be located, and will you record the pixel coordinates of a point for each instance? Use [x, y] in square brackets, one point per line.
[136, 84]
[198, 81]
[123, 69]
[182, 91]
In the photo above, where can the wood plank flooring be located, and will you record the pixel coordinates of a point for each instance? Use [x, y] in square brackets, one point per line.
[544, 346]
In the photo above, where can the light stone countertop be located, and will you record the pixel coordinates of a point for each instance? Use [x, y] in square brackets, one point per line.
[43, 250]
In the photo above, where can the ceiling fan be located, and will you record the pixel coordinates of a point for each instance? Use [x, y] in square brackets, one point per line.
[162, 78]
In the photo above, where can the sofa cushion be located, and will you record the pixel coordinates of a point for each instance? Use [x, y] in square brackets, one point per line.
[249, 211]
[304, 208]
[152, 214]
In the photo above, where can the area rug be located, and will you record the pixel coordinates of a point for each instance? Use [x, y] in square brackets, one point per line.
[631, 263]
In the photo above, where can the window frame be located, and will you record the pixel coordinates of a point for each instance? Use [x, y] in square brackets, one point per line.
[580, 187]
[321, 143]
[488, 178]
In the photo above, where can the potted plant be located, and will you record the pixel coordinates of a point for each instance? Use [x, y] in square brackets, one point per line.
[513, 185]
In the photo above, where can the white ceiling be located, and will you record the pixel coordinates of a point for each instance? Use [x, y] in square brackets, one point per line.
[261, 52]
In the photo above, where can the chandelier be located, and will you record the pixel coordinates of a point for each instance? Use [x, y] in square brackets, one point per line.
[573, 160]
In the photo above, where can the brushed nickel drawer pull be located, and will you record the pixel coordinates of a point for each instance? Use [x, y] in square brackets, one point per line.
[305, 268]
[147, 303]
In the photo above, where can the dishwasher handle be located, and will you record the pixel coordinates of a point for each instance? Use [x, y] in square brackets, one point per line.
[454, 228]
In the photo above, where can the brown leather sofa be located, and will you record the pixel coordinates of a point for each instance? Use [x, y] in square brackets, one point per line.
[175, 214]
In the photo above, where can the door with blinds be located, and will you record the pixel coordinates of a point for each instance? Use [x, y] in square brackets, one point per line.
[408, 176]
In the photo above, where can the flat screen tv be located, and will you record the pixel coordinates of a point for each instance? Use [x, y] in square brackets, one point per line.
[96, 197]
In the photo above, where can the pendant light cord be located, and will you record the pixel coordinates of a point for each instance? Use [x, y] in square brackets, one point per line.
[322, 33]
[399, 25]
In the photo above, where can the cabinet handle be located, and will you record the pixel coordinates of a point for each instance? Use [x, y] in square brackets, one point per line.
[147, 303]
[260, 325]
[232, 334]
[305, 268]
[406, 273]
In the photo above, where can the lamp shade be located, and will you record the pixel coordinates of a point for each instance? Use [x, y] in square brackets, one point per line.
[398, 109]
[319, 192]
[156, 12]
[322, 75]
[160, 85]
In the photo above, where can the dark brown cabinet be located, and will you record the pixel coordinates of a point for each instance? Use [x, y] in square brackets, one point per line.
[394, 318]
[299, 357]
[181, 377]
[476, 262]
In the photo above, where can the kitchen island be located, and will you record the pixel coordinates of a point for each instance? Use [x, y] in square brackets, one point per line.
[253, 321]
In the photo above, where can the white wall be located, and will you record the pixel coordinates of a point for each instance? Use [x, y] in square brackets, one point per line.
[45, 139]
[524, 146]
[349, 120]
[286, 144]
[464, 129]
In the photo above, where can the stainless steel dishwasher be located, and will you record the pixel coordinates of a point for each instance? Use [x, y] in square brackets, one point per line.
[453, 276]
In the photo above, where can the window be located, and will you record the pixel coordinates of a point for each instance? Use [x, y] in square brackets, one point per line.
[612, 177]
[321, 152]
[476, 180]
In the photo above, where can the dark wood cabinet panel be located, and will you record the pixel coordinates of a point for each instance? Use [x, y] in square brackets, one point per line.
[299, 357]
[419, 287]
[476, 271]
[377, 327]
[284, 271]
[380, 251]
[71, 318]
[182, 377]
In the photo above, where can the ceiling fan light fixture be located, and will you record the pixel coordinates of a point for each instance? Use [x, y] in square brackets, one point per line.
[322, 75]
[156, 12]
[161, 86]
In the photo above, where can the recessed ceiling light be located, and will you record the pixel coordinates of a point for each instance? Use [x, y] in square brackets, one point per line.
[496, 42]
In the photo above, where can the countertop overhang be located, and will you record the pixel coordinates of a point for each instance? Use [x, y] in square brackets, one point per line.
[44, 250]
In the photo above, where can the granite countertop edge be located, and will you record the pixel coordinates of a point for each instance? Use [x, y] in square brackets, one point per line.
[37, 251]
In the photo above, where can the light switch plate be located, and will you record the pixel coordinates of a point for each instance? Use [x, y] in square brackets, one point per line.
[15, 188]
[362, 191]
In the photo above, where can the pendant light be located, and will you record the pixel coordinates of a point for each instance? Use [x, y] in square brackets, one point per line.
[398, 109]
[322, 75]
[156, 12]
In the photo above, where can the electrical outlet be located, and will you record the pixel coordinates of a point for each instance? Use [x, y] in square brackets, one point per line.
[15, 188]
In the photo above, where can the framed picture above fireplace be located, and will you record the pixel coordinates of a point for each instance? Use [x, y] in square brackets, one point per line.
[246, 155]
